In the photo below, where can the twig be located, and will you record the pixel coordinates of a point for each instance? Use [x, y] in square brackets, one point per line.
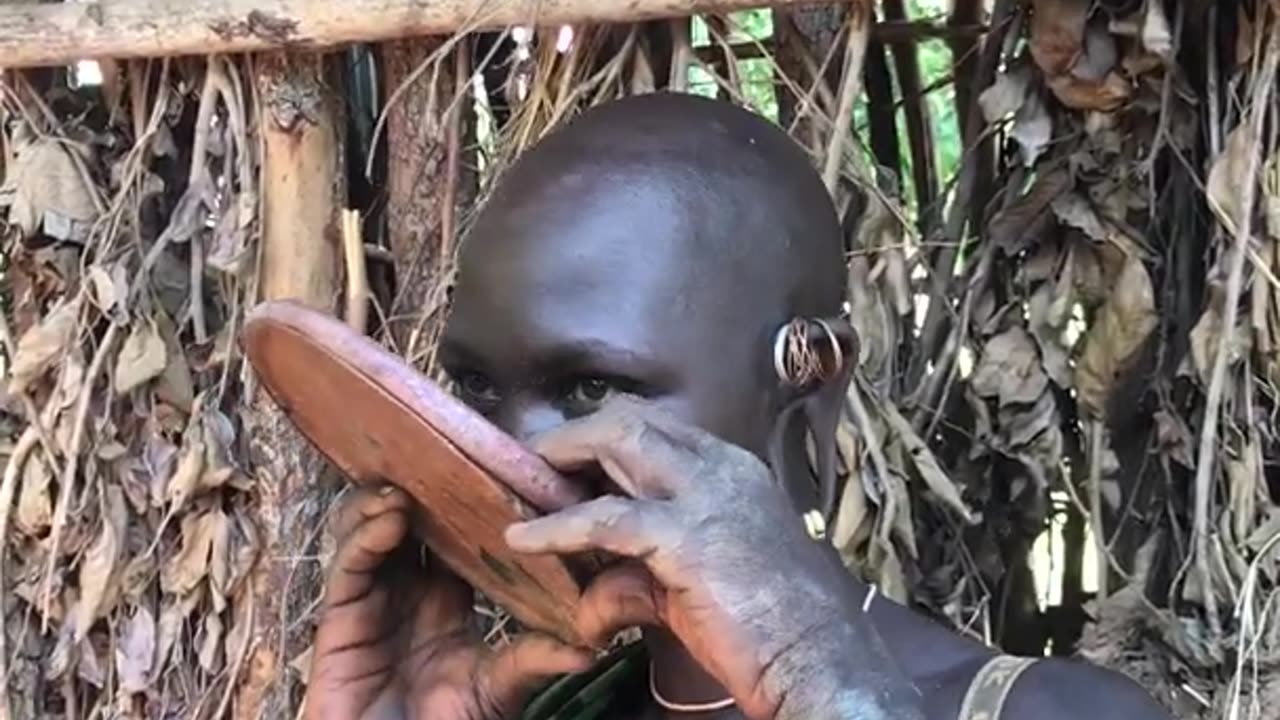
[28, 404]
[73, 461]
[850, 88]
[959, 211]
[249, 641]
[357, 276]
[409, 81]
[681, 55]
[1235, 279]
[1097, 444]
[453, 150]
[86, 177]
[12, 470]
[872, 441]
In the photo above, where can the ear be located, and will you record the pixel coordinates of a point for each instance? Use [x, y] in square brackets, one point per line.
[813, 414]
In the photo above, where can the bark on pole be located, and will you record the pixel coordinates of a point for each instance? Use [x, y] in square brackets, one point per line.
[417, 160]
[304, 190]
[33, 34]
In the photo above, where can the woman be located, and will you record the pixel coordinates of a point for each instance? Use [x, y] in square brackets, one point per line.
[654, 293]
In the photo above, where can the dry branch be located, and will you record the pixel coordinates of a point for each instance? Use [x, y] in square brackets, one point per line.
[35, 34]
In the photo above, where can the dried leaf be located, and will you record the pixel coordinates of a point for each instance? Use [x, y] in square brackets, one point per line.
[1225, 184]
[302, 663]
[1048, 311]
[141, 358]
[1032, 128]
[219, 435]
[186, 477]
[1057, 34]
[189, 214]
[210, 639]
[927, 465]
[1021, 425]
[135, 652]
[45, 191]
[109, 286]
[159, 460]
[100, 565]
[90, 668]
[1174, 438]
[43, 345]
[34, 515]
[1104, 96]
[64, 653]
[1118, 332]
[1245, 484]
[1010, 369]
[1246, 36]
[220, 563]
[184, 571]
[176, 385]
[1207, 337]
[1099, 56]
[1072, 209]
[1110, 491]
[1157, 37]
[1007, 94]
[1008, 227]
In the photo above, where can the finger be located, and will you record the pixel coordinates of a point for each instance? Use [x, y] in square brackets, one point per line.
[630, 528]
[447, 606]
[520, 667]
[365, 502]
[619, 598]
[644, 451]
[363, 551]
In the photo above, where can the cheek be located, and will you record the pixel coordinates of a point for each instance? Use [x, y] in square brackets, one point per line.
[738, 418]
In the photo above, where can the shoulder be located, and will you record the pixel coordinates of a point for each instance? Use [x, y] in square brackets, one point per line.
[1056, 689]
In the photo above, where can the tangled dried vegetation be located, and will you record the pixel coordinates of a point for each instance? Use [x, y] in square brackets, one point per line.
[1089, 310]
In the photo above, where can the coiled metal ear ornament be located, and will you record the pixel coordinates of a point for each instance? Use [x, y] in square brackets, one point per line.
[806, 350]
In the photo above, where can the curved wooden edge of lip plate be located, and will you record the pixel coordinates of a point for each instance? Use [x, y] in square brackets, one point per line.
[539, 591]
[526, 474]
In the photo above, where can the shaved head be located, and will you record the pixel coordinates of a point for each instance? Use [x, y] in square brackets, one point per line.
[652, 246]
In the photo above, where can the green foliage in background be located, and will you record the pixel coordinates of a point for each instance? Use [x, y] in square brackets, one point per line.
[933, 56]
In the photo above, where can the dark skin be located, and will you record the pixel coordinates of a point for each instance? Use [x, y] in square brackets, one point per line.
[615, 305]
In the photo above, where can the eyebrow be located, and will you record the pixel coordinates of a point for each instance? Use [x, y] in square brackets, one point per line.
[570, 355]
[596, 354]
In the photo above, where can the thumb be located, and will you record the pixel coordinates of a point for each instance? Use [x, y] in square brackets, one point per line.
[520, 667]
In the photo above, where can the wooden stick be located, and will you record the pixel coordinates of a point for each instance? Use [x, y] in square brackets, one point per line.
[357, 315]
[34, 34]
[851, 87]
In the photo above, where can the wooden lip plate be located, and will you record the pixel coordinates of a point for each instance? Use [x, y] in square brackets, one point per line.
[377, 419]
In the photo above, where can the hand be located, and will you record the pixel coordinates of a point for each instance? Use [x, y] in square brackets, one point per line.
[720, 559]
[396, 641]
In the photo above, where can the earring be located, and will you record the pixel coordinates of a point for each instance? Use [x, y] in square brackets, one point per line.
[815, 525]
[797, 361]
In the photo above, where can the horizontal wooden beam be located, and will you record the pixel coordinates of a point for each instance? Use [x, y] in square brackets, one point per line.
[41, 34]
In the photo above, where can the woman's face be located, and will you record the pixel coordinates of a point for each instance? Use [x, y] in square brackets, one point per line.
[560, 305]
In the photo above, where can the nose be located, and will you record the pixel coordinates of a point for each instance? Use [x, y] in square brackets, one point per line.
[526, 420]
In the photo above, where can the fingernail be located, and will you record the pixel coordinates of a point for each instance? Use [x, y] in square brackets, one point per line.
[513, 535]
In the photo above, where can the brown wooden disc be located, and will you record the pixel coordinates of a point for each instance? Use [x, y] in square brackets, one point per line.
[379, 420]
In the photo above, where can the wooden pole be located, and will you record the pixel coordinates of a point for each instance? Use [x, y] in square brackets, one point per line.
[300, 114]
[35, 34]
[421, 195]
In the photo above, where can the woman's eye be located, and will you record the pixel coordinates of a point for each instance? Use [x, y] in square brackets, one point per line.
[476, 387]
[590, 392]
